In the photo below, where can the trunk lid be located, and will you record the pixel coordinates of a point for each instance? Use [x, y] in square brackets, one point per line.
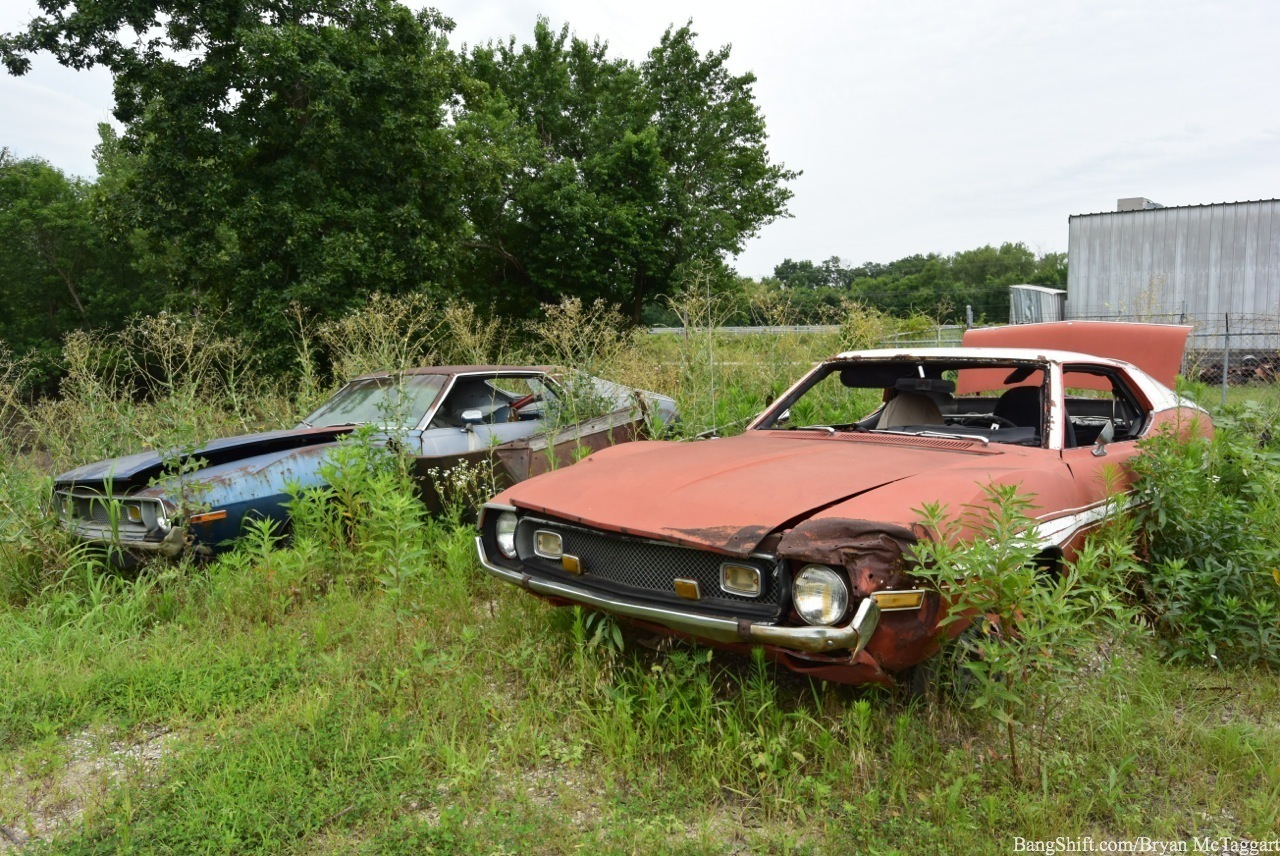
[1155, 348]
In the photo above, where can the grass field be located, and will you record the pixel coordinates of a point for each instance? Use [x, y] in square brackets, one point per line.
[293, 700]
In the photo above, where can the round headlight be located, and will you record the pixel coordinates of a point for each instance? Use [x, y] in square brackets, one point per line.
[505, 534]
[820, 595]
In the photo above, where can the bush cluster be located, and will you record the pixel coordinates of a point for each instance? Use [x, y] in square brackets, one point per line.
[1210, 520]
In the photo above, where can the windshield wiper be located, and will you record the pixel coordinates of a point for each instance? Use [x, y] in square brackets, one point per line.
[986, 441]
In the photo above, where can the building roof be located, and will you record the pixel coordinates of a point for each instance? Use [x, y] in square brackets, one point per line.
[1142, 211]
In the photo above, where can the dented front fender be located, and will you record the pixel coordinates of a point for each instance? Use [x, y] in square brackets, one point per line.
[876, 558]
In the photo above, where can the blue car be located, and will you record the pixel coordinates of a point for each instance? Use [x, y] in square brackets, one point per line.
[523, 419]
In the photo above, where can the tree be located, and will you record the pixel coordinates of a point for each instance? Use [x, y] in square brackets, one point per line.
[605, 179]
[1051, 270]
[61, 270]
[932, 284]
[801, 274]
[281, 151]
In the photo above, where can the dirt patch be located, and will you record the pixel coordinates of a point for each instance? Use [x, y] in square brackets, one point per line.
[44, 798]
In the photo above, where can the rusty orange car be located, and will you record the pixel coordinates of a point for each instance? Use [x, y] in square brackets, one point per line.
[796, 535]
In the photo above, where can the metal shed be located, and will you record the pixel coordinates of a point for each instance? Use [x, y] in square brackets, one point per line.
[1034, 304]
[1193, 263]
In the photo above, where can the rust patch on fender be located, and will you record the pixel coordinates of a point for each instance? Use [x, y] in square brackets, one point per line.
[872, 552]
[532, 456]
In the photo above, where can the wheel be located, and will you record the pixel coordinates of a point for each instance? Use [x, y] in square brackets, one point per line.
[943, 675]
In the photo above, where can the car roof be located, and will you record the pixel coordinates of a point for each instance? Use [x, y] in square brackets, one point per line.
[457, 370]
[1020, 355]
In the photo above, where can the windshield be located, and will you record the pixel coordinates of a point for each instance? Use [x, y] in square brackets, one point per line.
[398, 401]
[992, 401]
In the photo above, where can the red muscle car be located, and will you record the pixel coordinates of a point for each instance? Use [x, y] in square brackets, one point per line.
[796, 535]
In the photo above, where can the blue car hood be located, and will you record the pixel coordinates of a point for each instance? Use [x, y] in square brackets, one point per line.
[143, 467]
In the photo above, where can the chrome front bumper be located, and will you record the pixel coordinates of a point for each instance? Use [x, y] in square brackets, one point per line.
[852, 637]
[141, 525]
[171, 545]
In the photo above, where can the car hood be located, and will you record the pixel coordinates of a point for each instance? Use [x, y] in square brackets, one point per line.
[729, 494]
[142, 467]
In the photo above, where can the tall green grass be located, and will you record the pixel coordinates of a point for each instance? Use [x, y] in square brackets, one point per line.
[364, 688]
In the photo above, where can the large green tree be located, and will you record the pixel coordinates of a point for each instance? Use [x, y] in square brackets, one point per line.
[314, 151]
[601, 178]
[280, 150]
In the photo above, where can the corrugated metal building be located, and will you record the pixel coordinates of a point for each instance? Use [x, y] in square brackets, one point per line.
[1197, 264]
[1035, 304]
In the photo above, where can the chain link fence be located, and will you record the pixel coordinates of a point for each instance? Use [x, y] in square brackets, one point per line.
[1231, 349]
[1236, 350]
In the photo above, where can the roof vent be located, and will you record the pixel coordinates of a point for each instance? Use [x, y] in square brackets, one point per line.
[1136, 203]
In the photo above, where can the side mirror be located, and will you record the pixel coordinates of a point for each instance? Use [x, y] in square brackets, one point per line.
[1105, 436]
[783, 418]
[471, 418]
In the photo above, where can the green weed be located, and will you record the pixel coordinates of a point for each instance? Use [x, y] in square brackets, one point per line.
[1027, 627]
[356, 684]
[1211, 510]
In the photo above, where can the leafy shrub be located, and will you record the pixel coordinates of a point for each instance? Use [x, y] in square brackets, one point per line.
[367, 520]
[33, 549]
[1029, 627]
[1211, 524]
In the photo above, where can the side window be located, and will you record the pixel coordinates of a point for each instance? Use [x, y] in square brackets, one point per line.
[498, 398]
[514, 387]
[1094, 398]
[468, 394]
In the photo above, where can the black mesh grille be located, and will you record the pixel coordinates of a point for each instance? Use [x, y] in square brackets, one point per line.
[98, 510]
[648, 570]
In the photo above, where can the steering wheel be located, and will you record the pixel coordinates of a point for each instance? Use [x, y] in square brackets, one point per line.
[523, 401]
[984, 419]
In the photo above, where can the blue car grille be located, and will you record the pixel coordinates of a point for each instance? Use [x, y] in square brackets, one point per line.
[647, 570]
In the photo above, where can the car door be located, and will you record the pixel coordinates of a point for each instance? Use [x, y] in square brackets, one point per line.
[479, 413]
[1098, 397]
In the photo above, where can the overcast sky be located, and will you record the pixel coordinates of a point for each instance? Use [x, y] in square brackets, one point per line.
[930, 126]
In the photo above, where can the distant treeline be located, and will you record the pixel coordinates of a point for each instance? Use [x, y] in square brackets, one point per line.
[942, 287]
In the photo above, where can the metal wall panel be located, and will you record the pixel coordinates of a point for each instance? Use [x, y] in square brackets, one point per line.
[1195, 263]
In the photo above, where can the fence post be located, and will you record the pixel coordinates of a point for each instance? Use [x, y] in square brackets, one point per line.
[1226, 358]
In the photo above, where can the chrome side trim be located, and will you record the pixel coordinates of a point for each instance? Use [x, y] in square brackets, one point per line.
[1059, 530]
[852, 637]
